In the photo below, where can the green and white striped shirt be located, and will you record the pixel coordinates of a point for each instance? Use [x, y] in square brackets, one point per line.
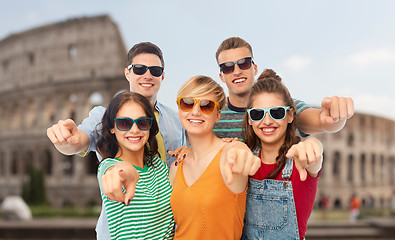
[149, 215]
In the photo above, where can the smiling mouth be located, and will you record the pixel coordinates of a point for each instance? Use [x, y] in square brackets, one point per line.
[134, 139]
[146, 85]
[195, 121]
[268, 131]
[239, 80]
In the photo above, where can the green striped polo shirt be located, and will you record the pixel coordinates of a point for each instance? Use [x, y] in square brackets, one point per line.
[229, 126]
[149, 215]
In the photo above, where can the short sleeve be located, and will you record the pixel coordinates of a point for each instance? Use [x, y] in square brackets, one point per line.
[89, 126]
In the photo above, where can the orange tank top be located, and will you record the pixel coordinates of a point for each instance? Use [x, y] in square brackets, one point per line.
[207, 209]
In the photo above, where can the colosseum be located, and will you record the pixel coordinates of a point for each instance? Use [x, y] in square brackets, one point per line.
[62, 70]
[54, 72]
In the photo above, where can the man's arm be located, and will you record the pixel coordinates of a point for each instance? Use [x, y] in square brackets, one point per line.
[67, 138]
[331, 117]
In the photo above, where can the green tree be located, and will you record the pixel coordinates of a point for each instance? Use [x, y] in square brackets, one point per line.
[33, 190]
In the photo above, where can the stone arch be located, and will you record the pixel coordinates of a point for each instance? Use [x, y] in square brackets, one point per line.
[373, 167]
[27, 162]
[49, 111]
[2, 163]
[93, 202]
[322, 174]
[68, 203]
[68, 165]
[70, 106]
[337, 204]
[363, 167]
[14, 163]
[392, 170]
[92, 163]
[336, 164]
[31, 114]
[47, 162]
[350, 168]
[3, 118]
[350, 140]
[382, 168]
[15, 121]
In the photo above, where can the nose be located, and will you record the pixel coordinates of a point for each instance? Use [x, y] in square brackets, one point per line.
[267, 119]
[237, 70]
[148, 75]
[134, 128]
[195, 109]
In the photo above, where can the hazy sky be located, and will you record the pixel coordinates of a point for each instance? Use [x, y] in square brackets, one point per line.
[319, 48]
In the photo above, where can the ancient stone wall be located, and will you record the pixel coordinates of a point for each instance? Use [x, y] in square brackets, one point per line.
[49, 73]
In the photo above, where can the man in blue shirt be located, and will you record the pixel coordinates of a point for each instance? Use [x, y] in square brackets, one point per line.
[145, 72]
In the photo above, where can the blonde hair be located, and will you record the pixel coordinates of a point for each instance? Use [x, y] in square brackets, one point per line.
[202, 85]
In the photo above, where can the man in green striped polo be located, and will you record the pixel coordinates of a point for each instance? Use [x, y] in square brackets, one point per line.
[238, 71]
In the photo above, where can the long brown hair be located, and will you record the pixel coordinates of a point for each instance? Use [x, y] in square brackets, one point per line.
[107, 144]
[270, 82]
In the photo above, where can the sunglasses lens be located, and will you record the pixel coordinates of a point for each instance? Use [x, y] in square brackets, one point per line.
[139, 69]
[186, 104]
[124, 124]
[244, 63]
[227, 67]
[256, 114]
[156, 71]
[277, 113]
[144, 124]
[207, 106]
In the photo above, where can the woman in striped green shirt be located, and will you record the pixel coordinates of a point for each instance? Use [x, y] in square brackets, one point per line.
[128, 141]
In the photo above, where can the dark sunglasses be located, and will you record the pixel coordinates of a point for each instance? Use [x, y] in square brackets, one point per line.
[186, 104]
[229, 67]
[140, 69]
[276, 113]
[125, 124]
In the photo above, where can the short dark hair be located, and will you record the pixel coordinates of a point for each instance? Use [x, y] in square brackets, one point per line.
[232, 43]
[107, 144]
[144, 47]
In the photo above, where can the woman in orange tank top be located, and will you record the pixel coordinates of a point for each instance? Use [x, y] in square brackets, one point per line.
[209, 185]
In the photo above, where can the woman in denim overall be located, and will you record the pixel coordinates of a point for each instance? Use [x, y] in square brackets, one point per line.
[269, 129]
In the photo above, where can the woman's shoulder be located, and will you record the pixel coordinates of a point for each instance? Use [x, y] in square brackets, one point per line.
[158, 162]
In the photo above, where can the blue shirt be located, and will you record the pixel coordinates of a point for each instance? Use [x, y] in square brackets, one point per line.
[169, 126]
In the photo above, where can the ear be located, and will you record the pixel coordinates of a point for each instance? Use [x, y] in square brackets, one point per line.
[163, 76]
[112, 130]
[218, 116]
[255, 69]
[221, 76]
[249, 121]
[291, 117]
[127, 74]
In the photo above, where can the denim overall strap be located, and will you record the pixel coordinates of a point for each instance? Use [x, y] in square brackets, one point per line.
[270, 208]
[287, 171]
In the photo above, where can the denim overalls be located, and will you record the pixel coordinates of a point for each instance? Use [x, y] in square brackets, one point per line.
[270, 208]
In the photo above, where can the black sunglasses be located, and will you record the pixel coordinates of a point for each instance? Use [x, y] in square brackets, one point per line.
[229, 67]
[125, 124]
[276, 113]
[140, 69]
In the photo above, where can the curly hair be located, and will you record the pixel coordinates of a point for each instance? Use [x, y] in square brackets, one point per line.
[107, 144]
[270, 82]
